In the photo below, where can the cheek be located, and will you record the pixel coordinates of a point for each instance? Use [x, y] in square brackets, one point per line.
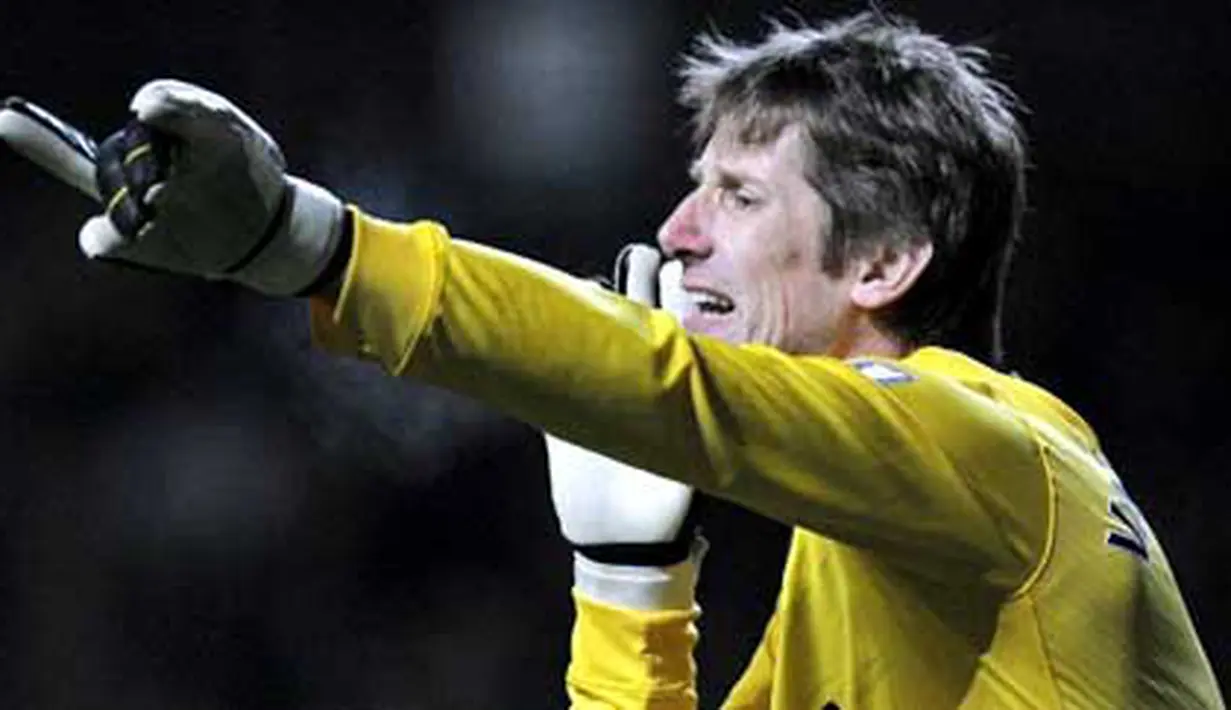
[803, 306]
[769, 266]
[768, 315]
[769, 250]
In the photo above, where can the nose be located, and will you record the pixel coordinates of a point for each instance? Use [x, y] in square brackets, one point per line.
[685, 234]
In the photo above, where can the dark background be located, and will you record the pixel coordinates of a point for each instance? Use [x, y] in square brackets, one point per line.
[197, 511]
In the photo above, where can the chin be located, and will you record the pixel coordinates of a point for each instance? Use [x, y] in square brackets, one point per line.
[722, 328]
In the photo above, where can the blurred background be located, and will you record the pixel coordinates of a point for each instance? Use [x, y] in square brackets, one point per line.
[197, 511]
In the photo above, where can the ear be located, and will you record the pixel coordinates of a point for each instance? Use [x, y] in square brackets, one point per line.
[888, 272]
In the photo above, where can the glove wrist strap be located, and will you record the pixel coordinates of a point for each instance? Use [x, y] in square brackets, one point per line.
[641, 587]
[307, 233]
[638, 554]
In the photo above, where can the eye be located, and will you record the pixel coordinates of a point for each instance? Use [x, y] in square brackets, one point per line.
[738, 199]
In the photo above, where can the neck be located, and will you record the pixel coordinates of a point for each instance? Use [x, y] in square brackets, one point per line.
[867, 338]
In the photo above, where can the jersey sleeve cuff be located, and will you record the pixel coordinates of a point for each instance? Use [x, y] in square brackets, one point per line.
[389, 293]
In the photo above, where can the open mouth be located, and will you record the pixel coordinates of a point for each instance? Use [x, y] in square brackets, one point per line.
[710, 302]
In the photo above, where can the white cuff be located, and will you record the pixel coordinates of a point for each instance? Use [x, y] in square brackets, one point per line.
[301, 250]
[641, 588]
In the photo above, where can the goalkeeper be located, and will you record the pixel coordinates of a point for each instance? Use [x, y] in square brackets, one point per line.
[960, 539]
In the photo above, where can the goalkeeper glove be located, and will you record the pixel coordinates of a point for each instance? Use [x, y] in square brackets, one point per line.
[195, 186]
[635, 542]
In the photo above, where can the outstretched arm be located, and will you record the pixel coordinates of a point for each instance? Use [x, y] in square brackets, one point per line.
[810, 441]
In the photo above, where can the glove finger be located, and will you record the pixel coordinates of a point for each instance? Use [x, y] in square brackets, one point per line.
[146, 163]
[671, 295]
[124, 208]
[99, 238]
[153, 194]
[50, 143]
[636, 273]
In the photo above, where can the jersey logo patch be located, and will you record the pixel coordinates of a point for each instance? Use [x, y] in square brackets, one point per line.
[881, 372]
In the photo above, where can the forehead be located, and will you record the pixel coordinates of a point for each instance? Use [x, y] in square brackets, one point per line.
[782, 158]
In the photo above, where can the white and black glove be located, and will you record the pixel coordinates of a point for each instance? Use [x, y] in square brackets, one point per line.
[194, 186]
[635, 539]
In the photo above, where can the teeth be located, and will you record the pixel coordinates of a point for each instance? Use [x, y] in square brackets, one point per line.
[710, 302]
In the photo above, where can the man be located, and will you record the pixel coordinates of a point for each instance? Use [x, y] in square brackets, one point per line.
[960, 540]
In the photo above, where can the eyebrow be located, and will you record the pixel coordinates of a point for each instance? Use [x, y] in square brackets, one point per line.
[726, 177]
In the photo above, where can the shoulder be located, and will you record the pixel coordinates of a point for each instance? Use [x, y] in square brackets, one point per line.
[1025, 398]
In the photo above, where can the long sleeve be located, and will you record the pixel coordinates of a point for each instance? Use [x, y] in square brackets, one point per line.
[624, 659]
[810, 441]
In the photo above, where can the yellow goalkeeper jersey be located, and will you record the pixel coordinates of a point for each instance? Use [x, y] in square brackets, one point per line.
[960, 540]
